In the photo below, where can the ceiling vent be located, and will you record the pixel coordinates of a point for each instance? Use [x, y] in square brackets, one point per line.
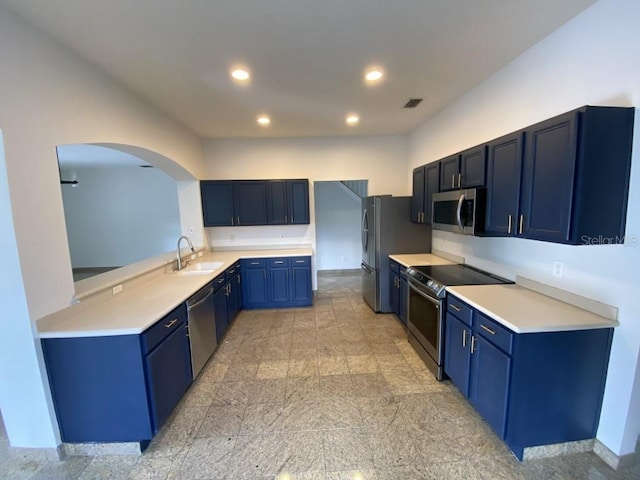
[412, 103]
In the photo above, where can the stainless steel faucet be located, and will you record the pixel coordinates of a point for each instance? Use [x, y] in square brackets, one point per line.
[183, 237]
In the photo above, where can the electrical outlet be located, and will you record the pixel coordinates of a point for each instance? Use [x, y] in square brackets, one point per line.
[117, 289]
[200, 253]
[558, 269]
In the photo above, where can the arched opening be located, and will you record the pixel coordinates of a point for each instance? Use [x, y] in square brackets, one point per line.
[121, 205]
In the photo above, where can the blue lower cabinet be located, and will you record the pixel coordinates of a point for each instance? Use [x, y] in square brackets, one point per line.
[457, 361]
[276, 282]
[119, 388]
[533, 389]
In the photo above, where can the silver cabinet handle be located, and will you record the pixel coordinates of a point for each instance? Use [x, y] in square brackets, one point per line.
[473, 344]
[459, 180]
[453, 180]
[521, 224]
[238, 220]
[292, 218]
[171, 323]
[299, 261]
[264, 274]
[464, 338]
[455, 307]
[278, 262]
[255, 263]
[487, 329]
[285, 219]
[238, 277]
[509, 224]
[232, 221]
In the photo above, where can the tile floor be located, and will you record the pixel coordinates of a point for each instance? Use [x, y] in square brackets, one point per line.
[332, 392]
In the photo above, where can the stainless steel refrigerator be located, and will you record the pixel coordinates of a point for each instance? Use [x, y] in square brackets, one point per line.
[387, 229]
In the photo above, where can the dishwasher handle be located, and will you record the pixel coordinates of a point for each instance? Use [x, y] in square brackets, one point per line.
[194, 301]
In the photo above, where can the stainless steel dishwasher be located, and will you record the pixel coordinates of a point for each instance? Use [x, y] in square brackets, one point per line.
[202, 328]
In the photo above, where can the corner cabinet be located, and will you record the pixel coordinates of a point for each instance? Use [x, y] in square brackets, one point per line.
[119, 388]
[533, 389]
[254, 202]
[276, 282]
[426, 182]
[564, 180]
[227, 299]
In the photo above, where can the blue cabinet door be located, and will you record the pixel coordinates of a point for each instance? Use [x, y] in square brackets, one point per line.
[232, 300]
[394, 291]
[254, 287]
[473, 167]
[168, 369]
[217, 203]
[250, 202]
[503, 185]
[221, 313]
[279, 285]
[457, 353]
[449, 170]
[417, 196]
[298, 201]
[277, 208]
[490, 378]
[431, 186]
[403, 300]
[548, 179]
[301, 285]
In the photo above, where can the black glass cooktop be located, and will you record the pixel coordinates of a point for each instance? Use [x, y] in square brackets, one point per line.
[434, 279]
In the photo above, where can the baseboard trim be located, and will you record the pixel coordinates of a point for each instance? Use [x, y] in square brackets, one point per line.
[616, 462]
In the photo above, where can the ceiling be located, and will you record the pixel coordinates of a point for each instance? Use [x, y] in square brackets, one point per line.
[306, 57]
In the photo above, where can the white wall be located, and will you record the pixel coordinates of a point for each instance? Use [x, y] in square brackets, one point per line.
[338, 245]
[50, 97]
[591, 60]
[381, 160]
[119, 215]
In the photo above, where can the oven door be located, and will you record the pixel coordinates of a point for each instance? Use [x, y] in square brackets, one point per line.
[425, 322]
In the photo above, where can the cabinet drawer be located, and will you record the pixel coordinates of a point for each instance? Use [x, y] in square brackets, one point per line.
[459, 309]
[279, 262]
[254, 263]
[394, 266]
[153, 335]
[219, 282]
[300, 261]
[500, 336]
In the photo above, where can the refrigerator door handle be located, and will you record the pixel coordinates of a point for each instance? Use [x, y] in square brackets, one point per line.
[365, 231]
[366, 267]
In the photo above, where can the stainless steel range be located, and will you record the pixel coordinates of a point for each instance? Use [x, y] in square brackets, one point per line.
[427, 307]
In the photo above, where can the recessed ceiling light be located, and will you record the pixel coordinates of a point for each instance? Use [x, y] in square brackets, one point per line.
[263, 120]
[373, 75]
[240, 74]
[352, 119]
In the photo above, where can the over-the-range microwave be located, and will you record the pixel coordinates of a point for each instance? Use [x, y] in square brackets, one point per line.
[460, 211]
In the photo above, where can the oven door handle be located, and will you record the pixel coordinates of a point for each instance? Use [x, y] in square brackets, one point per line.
[436, 302]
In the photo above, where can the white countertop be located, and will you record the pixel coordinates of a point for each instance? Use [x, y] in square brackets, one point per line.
[525, 311]
[419, 259]
[133, 311]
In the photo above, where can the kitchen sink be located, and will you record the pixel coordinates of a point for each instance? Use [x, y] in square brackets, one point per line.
[200, 268]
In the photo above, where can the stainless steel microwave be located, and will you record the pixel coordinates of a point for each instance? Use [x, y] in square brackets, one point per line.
[460, 211]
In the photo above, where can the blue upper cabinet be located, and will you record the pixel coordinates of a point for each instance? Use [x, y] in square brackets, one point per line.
[504, 165]
[217, 203]
[298, 201]
[464, 170]
[255, 202]
[575, 177]
[426, 182]
[450, 172]
[250, 202]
